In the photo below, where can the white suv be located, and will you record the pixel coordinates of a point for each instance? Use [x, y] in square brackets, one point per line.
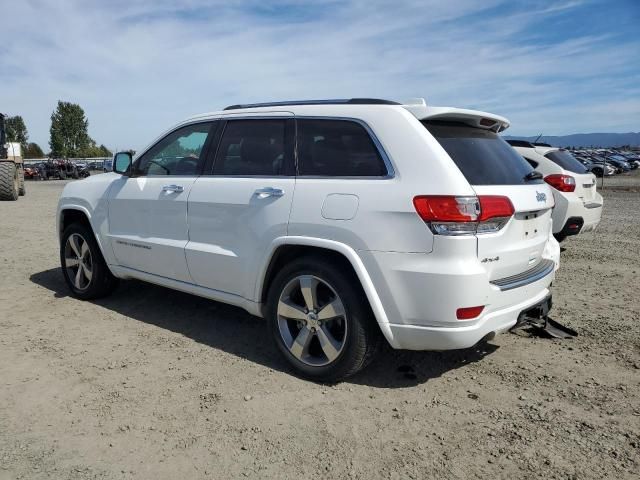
[578, 206]
[341, 222]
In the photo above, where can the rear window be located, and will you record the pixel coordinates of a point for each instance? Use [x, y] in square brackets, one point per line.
[482, 156]
[566, 161]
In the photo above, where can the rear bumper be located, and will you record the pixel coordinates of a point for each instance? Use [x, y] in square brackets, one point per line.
[413, 337]
[572, 215]
[592, 215]
[421, 293]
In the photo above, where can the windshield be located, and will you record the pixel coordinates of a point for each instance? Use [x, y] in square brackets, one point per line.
[567, 161]
[482, 156]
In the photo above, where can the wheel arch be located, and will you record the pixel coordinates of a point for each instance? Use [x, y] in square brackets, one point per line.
[73, 214]
[69, 214]
[288, 248]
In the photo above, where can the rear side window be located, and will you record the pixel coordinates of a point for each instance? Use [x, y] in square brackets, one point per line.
[567, 161]
[251, 147]
[337, 148]
[482, 156]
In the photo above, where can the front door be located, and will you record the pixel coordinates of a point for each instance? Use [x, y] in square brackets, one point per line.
[148, 211]
[241, 205]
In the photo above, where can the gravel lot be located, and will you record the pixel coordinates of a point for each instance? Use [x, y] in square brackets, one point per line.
[151, 383]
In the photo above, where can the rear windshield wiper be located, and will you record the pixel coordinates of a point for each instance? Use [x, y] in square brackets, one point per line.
[534, 175]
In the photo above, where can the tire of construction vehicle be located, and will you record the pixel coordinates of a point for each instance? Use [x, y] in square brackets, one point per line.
[9, 181]
[22, 190]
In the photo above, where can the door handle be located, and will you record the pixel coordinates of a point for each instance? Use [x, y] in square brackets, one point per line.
[173, 188]
[269, 192]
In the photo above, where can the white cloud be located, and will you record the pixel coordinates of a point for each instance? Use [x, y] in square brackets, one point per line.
[139, 66]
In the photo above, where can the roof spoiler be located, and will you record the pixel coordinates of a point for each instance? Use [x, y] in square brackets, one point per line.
[520, 143]
[488, 121]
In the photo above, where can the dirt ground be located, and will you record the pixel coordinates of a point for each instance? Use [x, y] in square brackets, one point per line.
[154, 384]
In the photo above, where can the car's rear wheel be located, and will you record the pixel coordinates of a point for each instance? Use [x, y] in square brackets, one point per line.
[84, 269]
[321, 321]
[560, 237]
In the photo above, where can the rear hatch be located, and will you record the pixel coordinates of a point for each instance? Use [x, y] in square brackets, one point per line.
[492, 167]
[585, 181]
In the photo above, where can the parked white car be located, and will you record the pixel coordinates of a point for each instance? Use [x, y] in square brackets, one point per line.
[578, 205]
[341, 222]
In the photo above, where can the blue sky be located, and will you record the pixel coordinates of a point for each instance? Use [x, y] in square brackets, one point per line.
[139, 66]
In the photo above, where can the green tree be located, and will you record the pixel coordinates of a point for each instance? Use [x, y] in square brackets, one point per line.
[93, 150]
[69, 131]
[105, 152]
[33, 150]
[16, 131]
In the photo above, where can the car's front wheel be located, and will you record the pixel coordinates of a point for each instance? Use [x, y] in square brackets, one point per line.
[321, 321]
[84, 269]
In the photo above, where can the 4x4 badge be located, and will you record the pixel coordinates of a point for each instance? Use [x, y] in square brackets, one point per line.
[541, 197]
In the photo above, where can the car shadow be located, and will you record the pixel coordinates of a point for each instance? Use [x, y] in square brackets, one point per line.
[234, 331]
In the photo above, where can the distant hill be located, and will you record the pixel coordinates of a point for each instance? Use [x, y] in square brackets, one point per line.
[586, 139]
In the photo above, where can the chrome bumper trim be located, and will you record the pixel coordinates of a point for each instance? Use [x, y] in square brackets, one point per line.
[541, 270]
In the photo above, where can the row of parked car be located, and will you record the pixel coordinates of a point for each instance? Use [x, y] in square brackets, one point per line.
[344, 223]
[607, 161]
[55, 169]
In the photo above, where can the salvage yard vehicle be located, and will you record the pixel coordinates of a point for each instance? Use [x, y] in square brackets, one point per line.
[341, 222]
[31, 172]
[598, 169]
[578, 206]
[82, 170]
[11, 167]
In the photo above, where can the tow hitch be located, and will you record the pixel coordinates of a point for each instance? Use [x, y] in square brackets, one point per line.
[537, 319]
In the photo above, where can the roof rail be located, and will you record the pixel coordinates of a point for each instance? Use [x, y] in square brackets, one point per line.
[343, 101]
[520, 143]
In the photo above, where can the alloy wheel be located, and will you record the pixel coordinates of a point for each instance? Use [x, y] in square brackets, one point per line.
[312, 320]
[78, 262]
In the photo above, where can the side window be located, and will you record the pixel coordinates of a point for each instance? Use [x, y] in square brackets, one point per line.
[252, 147]
[337, 148]
[531, 162]
[179, 153]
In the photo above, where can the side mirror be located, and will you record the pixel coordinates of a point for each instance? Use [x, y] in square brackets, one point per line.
[122, 163]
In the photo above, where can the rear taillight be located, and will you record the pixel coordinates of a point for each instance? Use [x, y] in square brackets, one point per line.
[563, 183]
[451, 215]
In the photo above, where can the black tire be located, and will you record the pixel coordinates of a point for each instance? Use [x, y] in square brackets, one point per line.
[362, 338]
[102, 281]
[9, 181]
[560, 237]
[22, 190]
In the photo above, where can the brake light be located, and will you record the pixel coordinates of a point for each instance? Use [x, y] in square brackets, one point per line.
[563, 183]
[469, 312]
[493, 206]
[468, 215]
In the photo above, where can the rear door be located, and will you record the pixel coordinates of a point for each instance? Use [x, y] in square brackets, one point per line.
[242, 203]
[493, 167]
